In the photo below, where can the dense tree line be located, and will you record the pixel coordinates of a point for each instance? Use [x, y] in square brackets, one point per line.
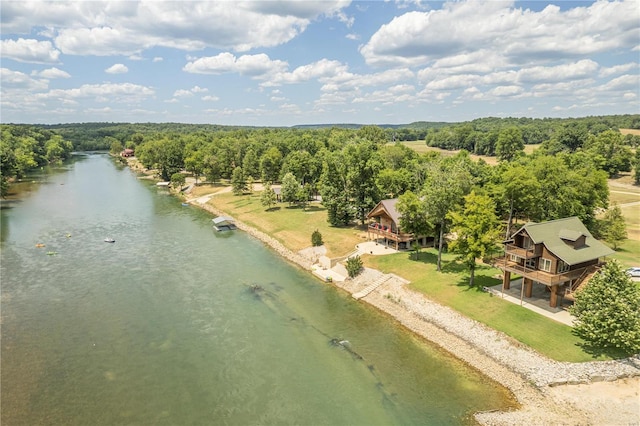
[482, 136]
[23, 148]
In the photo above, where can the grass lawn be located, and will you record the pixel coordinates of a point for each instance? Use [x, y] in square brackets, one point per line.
[290, 225]
[451, 288]
[628, 254]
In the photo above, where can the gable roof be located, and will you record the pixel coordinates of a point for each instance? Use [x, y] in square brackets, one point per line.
[222, 219]
[388, 206]
[554, 233]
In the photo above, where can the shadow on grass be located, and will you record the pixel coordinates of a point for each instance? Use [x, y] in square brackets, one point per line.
[600, 352]
[273, 209]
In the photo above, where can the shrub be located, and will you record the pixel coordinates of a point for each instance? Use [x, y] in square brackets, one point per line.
[354, 266]
[316, 238]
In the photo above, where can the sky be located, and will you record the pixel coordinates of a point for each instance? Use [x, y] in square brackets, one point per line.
[282, 63]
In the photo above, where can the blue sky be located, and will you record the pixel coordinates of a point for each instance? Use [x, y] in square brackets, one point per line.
[277, 63]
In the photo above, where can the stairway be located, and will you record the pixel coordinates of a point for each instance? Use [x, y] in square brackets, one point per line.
[580, 282]
[368, 289]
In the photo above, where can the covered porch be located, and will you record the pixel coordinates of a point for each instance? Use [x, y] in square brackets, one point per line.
[538, 301]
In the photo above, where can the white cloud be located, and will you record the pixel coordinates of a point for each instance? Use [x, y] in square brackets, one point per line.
[182, 93]
[29, 50]
[109, 28]
[250, 65]
[18, 80]
[158, 59]
[123, 92]
[210, 98]
[417, 38]
[52, 73]
[117, 69]
[618, 69]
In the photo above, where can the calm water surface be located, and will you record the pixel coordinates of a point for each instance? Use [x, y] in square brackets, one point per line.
[163, 328]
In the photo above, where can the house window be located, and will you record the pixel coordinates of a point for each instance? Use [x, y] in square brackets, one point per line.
[531, 263]
[545, 264]
[513, 258]
[526, 242]
[563, 267]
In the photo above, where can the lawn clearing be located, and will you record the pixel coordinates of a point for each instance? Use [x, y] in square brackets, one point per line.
[290, 224]
[450, 288]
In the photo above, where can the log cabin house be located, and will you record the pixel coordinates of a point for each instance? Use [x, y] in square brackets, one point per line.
[560, 254]
[384, 223]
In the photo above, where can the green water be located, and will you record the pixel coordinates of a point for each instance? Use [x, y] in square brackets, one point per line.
[163, 328]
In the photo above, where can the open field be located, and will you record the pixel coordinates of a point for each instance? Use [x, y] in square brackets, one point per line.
[290, 225]
[421, 148]
[630, 131]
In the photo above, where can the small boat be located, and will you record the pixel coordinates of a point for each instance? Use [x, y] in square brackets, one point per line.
[109, 240]
[39, 245]
[185, 204]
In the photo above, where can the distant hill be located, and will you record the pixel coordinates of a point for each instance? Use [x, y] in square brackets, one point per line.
[414, 125]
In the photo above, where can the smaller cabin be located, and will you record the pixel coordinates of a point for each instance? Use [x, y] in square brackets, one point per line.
[127, 153]
[384, 223]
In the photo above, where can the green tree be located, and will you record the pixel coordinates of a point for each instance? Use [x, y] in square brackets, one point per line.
[476, 229]
[290, 187]
[238, 183]
[510, 144]
[615, 230]
[303, 195]
[177, 180]
[393, 182]
[446, 184]
[363, 165]
[636, 167]
[354, 266]
[268, 196]
[413, 219]
[609, 153]
[116, 147]
[251, 164]
[195, 164]
[270, 164]
[607, 310]
[334, 190]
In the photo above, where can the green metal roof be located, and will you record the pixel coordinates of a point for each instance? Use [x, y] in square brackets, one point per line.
[554, 233]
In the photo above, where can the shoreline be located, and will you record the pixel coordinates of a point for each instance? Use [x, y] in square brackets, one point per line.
[537, 383]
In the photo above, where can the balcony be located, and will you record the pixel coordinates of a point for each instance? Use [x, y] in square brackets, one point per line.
[542, 277]
[389, 234]
[521, 252]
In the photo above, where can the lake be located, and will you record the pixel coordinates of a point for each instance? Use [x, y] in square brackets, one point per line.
[176, 324]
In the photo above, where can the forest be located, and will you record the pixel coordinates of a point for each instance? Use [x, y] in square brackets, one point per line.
[353, 168]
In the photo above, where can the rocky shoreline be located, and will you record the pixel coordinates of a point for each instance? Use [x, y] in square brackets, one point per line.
[530, 376]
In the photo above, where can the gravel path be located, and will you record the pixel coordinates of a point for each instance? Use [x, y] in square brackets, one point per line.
[534, 379]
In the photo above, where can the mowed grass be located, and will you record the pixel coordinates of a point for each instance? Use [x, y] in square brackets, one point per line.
[290, 225]
[450, 288]
[628, 254]
[421, 147]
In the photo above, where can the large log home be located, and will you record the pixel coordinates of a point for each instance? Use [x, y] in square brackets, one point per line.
[384, 223]
[560, 254]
